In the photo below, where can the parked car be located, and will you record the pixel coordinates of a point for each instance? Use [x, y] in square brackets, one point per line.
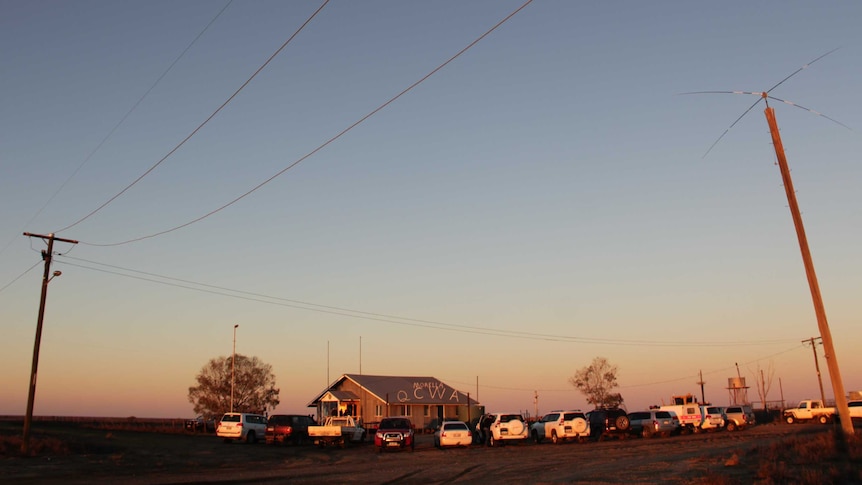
[502, 427]
[608, 422]
[559, 426]
[453, 433]
[288, 428]
[200, 425]
[855, 410]
[713, 418]
[654, 422]
[738, 417]
[242, 427]
[395, 433]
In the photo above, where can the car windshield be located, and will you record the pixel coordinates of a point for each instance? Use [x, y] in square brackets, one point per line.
[662, 414]
[395, 424]
[510, 417]
[279, 420]
[231, 418]
[634, 416]
[550, 417]
[571, 416]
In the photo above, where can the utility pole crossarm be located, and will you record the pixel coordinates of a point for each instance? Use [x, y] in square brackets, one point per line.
[51, 237]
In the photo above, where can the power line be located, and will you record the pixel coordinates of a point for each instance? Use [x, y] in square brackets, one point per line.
[200, 126]
[629, 386]
[119, 123]
[20, 275]
[394, 319]
[309, 154]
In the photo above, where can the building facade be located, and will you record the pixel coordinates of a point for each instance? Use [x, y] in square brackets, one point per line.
[424, 400]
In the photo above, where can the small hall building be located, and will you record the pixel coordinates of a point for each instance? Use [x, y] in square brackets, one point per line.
[424, 400]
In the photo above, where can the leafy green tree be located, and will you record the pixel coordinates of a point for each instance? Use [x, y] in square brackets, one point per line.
[254, 387]
[597, 381]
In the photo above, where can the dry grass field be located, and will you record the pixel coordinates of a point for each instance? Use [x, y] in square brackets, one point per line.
[88, 452]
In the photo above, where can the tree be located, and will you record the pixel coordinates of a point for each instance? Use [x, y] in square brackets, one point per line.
[596, 381]
[254, 387]
[764, 384]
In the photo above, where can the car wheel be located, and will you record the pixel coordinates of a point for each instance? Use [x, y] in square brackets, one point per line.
[823, 419]
[789, 419]
[579, 425]
[516, 427]
[251, 438]
[731, 426]
[622, 422]
[554, 438]
[647, 432]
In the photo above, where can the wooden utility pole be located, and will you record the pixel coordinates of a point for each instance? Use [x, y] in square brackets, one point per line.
[46, 277]
[817, 367]
[819, 309]
[701, 383]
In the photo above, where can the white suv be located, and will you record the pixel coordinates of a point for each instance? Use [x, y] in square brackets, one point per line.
[241, 426]
[713, 418]
[506, 427]
[560, 426]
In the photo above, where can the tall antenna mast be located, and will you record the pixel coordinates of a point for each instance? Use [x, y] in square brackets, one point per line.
[819, 309]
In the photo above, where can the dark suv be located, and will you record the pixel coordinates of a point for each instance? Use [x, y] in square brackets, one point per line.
[288, 428]
[608, 422]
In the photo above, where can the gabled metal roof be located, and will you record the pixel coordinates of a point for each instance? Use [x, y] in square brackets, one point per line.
[401, 390]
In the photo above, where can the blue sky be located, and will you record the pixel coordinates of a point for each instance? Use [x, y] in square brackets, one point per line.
[549, 183]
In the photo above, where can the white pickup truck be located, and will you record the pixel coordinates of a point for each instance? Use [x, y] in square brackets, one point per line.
[337, 431]
[810, 410]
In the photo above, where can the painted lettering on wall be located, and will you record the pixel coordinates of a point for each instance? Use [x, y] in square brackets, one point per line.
[430, 390]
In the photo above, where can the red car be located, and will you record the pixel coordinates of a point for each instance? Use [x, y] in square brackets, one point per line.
[395, 433]
[288, 428]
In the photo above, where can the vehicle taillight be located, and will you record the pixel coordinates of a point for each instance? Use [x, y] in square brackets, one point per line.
[469, 433]
[239, 425]
[655, 424]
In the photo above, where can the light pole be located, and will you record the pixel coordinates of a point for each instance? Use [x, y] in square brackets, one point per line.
[47, 256]
[232, 365]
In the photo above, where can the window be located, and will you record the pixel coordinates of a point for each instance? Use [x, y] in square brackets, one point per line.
[378, 410]
[401, 410]
[427, 410]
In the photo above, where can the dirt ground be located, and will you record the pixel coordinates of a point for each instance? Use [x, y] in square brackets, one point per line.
[144, 457]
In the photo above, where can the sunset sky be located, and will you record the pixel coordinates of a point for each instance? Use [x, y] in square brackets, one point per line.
[538, 201]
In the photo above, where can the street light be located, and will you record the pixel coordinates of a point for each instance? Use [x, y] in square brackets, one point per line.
[232, 366]
[47, 256]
